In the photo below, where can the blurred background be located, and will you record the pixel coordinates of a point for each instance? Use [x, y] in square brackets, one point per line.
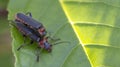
[6, 56]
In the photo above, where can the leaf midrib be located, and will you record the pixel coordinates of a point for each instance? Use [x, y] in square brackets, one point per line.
[102, 45]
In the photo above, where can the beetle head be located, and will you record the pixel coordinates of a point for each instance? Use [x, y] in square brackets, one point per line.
[44, 44]
[48, 47]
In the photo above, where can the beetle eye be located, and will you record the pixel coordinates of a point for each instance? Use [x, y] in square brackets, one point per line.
[44, 33]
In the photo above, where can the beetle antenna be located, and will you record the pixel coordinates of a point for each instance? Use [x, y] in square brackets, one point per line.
[61, 42]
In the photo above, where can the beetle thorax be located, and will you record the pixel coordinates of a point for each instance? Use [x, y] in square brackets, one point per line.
[42, 31]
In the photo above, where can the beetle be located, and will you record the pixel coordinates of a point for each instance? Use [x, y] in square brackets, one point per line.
[32, 23]
[28, 32]
[35, 31]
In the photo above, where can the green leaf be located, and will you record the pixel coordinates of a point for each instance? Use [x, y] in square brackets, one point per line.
[97, 26]
[51, 15]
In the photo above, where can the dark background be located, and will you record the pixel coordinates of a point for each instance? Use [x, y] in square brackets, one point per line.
[6, 55]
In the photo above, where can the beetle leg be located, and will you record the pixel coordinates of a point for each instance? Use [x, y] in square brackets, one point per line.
[31, 42]
[38, 53]
[22, 44]
[28, 13]
[20, 47]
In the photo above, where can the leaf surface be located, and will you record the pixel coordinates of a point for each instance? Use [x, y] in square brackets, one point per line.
[51, 15]
[97, 26]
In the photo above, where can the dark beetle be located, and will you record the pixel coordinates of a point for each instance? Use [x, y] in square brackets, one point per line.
[29, 21]
[35, 31]
[28, 32]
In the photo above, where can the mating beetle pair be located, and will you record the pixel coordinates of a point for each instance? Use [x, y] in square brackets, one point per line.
[30, 22]
[34, 30]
